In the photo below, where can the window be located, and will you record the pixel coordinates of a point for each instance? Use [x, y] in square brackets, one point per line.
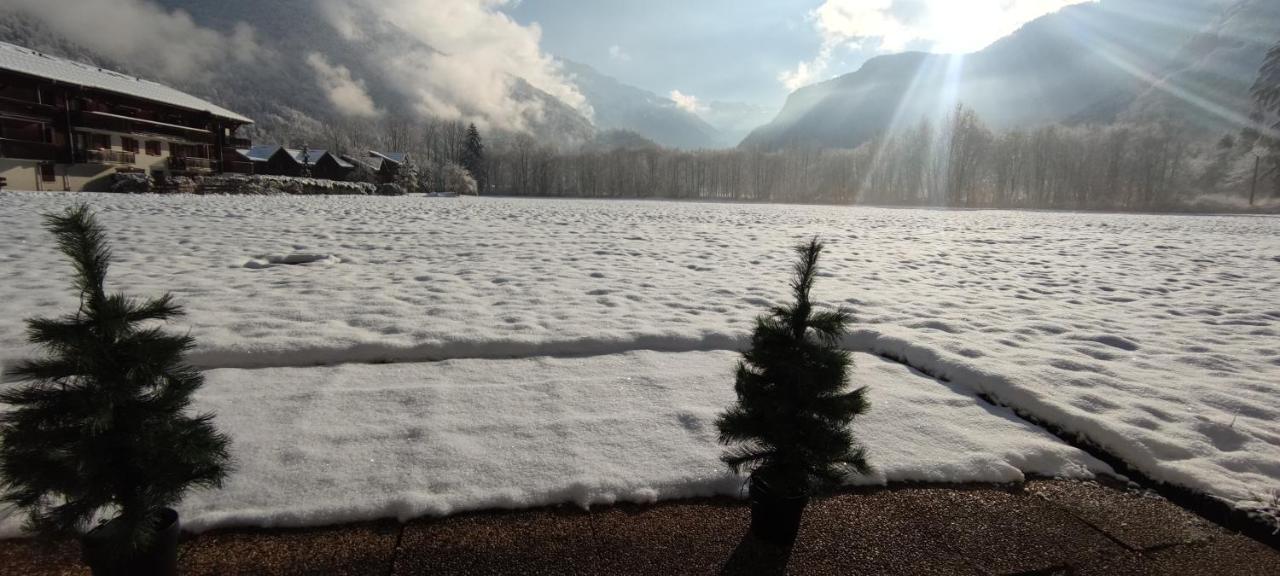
[129, 145]
[100, 141]
[153, 147]
[46, 173]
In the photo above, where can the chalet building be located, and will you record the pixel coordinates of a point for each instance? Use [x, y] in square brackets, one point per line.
[289, 162]
[65, 125]
[331, 167]
[275, 160]
[258, 155]
[385, 164]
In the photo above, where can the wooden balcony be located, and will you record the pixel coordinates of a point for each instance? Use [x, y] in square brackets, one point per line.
[126, 125]
[25, 109]
[106, 157]
[191, 164]
[27, 150]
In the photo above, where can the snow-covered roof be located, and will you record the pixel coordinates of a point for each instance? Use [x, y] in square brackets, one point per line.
[397, 157]
[342, 162]
[313, 155]
[373, 163]
[259, 152]
[26, 61]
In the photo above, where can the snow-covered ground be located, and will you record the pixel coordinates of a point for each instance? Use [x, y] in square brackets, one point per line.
[353, 442]
[1157, 337]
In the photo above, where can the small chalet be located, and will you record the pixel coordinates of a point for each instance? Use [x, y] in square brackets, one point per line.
[258, 155]
[65, 125]
[279, 161]
[385, 164]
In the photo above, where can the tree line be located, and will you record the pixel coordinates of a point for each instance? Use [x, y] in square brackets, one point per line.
[959, 162]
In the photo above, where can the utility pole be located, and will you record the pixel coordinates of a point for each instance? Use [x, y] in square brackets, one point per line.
[1253, 188]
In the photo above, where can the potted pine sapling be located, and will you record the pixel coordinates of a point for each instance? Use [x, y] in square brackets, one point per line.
[98, 429]
[789, 429]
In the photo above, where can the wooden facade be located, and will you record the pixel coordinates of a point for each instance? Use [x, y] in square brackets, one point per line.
[73, 137]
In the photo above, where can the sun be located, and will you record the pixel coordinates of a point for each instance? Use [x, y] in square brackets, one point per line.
[963, 27]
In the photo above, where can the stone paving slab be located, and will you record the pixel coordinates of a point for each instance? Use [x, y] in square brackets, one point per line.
[1043, 528]
[1226, 555]
[540, 542]
[27, 558]
[883, 532]
[1136, 520]
[344, 550]
[1002, 532]
[682, 538]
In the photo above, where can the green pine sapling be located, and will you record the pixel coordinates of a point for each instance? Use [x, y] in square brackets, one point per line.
[790, 426]
[98, 426]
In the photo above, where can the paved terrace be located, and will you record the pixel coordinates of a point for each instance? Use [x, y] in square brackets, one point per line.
[1042, 527]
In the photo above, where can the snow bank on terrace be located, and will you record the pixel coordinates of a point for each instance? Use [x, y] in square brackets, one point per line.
[355, 442]
[1155, 336]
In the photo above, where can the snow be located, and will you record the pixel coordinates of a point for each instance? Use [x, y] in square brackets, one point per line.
[31, 62]
[324, 445]
[1155, 337]
[291, 259]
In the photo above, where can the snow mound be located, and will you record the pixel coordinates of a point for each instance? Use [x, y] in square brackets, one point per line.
[293, 259]
[317, 446]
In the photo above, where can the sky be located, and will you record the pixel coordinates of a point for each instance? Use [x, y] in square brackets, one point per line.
[759, 52]
[695, 52]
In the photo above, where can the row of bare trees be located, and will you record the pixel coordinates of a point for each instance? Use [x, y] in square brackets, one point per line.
[960, 163]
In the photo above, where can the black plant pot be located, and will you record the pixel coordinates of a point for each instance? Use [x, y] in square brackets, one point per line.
[101, 551]
[775, 518]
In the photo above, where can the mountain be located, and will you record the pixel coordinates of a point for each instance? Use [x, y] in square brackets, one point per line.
[618, 106]
[1210, 81]
[1092, 62]
[299, 61]
[734, 120]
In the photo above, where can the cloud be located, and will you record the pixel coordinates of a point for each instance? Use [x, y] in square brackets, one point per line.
[347, 94]
[687, 102]
[945, 26]
[165, 44]
[617, 53]
[477, 57]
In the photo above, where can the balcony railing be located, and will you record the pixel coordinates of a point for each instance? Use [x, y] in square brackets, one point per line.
[27, 150]
[190, 164]
[26, 109]
[102, 156]
[117, 123]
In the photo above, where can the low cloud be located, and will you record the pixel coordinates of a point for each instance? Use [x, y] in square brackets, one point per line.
[687, 102]
[944, 26]
[477, 56]
[347, 94]
[148, 37]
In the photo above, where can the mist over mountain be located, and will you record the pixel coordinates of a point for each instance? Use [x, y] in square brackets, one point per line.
[300, 67]
[735, 120]
[1088, 63]
[618, 106]
[306, 68]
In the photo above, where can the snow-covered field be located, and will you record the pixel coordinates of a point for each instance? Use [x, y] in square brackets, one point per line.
[361, 441]
[1157, 337]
